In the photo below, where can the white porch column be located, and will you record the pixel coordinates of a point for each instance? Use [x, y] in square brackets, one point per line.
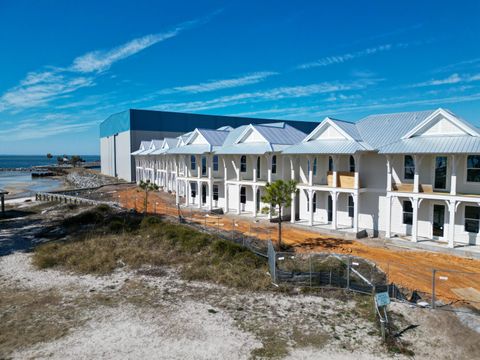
[199, 193]
[415, 205]
[388, 218]
[293, 208]
[269, 168]
[310, 170]
[453, 176]
[356, 181]
[335, 168]
[417, 160]
[356, 204]
[225, 185]
[187, 193]
[210, 182]
[334, 210]
[310, 206]
[452, 206]
[254, 167]
[254, 189]
[292, 168]
[389, 173]
[239, 205]
[198, 160]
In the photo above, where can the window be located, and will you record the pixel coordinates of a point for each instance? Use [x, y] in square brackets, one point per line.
[441, 172]
[315, 167]
[243, 164]
[215, 162]
[308, 166]
[350, 206]
[330, 163]
[473, 168]
[329, 208]
[274, 164]
[204, 166]
[407, 212]
[193, 162]
[258, 167]
[193, 188]
[472, 219]
[243, 195]
[352, 164]
[215, 192]
[408, 167]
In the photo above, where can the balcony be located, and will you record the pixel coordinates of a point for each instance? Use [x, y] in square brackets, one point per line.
[345, 179]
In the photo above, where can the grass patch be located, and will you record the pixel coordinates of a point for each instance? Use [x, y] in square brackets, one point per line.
[105, 240]
[21, 313]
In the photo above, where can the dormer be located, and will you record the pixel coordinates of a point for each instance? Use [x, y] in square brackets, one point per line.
[328, 129]
[196, 139]
[251, 135]
[442, 123]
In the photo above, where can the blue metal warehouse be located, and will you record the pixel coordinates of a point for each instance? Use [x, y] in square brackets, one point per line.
[121, 133]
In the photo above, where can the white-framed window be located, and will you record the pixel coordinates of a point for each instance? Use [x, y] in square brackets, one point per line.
[243, 164]
[330, 163]
[193, 189]
[274, 164]
[473, 168]
[407, 212]
[258, 167]
[408, 167]
[472, 219]
[215, 192]
[352, 164]
[215, 162]
[350, 206]
[204, 166]
[243, 195]
[193, 162]
[315, 167]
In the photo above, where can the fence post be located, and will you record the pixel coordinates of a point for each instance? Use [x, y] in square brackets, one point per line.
[310, 260]
[433, 288]
[348, 272]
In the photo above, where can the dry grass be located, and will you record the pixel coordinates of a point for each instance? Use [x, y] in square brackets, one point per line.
[28, 317]
[105, 241]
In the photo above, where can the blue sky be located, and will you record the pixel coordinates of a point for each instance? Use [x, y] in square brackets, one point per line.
[65, 66]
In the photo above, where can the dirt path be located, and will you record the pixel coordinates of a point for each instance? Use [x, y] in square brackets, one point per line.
[411, 269]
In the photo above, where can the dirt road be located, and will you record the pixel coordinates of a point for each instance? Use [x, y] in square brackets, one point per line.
[457, 278]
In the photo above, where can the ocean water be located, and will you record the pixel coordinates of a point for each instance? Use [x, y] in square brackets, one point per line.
[26, 161]
[21, 183]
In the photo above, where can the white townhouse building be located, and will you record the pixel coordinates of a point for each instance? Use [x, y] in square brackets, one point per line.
[414, 175]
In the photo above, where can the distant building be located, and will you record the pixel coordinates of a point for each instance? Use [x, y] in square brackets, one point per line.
[122, 133]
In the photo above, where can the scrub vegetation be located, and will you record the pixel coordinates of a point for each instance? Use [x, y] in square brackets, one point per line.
[105, 240]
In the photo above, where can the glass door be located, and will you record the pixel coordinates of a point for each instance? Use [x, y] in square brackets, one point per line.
[438, 220]
[441, 172]
[329, 208]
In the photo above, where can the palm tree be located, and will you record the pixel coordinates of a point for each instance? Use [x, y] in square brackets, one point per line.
[49, 156]
[278, 195]
[147, 186]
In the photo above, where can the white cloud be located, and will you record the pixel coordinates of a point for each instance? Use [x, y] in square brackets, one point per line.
[452, 79]
[214, 85]
[42, 87]
[338, 59]
[279, 93]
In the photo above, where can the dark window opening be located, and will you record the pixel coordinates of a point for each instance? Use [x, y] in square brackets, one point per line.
[408, 167]
[243, 164]
[407, 212]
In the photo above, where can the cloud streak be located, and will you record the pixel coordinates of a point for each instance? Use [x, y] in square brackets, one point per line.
[214, 85]
[452, 79]
[275, 94]
[339, 59]
[43, 87]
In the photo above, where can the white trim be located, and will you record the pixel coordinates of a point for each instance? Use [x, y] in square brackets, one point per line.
[465, 178]
[456, 121]
[241, 138]
[324, 123]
